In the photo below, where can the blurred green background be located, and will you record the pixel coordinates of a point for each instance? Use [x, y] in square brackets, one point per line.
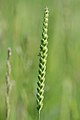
[21, 29]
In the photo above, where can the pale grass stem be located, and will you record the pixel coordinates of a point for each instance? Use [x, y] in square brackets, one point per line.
[8, 72]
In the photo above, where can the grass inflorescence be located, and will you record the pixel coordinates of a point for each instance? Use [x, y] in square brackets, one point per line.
[42, 62]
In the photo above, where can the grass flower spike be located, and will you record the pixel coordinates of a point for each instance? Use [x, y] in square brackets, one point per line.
[8, 84]
[42, 62]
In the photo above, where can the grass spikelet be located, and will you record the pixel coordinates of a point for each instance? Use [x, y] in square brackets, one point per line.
[42, 62]
[8, 71]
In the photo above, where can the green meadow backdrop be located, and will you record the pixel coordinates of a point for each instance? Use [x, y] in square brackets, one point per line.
[21, 29]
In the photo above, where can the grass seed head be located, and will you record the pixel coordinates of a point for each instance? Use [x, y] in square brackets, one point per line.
[42, 62]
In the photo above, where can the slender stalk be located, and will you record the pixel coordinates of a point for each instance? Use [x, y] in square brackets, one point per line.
[8, 71]
[39, 115]
[42, 62]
